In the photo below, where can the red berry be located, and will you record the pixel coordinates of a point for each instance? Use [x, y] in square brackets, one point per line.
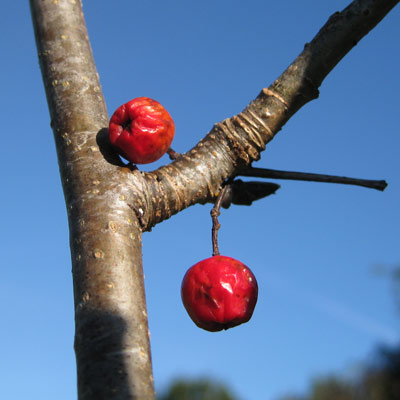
[141, 130]
[219, 293]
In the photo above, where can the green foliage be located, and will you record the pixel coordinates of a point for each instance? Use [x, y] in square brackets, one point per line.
[202, 389]
[383, 379]
[332, 388]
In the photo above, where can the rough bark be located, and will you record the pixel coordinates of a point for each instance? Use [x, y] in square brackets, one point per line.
[112, 342]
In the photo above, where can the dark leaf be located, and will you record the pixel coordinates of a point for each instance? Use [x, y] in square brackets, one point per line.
[244, 193]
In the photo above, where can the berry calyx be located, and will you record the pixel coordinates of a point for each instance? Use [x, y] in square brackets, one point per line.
[219, 293]
[141, 130]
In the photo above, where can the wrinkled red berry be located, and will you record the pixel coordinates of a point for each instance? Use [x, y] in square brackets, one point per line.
[141, 130]
[219, 293]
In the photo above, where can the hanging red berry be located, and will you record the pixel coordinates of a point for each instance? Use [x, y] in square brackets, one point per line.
[141, 130]
[219, 293]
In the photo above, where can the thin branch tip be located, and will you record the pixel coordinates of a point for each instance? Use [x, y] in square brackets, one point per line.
[311, 177]
[382, 185]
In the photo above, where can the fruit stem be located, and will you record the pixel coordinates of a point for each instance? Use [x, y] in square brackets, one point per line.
[215, 212]
[304, 176]
[173, 155]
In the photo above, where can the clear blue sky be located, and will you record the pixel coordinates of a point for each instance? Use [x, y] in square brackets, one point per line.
[313, 247]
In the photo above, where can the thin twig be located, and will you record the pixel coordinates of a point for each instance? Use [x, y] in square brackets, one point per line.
[215, 212]
[173, 155]
[304, 176]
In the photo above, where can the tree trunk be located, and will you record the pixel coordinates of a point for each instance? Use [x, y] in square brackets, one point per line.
[112, 339]
[109, 204]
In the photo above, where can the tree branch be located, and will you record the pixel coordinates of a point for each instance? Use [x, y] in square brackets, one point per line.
[236, 142]
[305, 176]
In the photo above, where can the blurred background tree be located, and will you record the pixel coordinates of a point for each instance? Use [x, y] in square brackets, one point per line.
[378, 380]
[200, 389]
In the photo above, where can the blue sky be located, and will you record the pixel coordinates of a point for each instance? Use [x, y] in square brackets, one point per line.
[313, 247]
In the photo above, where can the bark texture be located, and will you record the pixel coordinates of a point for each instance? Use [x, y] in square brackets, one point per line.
[109, 205]
[112, 341]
